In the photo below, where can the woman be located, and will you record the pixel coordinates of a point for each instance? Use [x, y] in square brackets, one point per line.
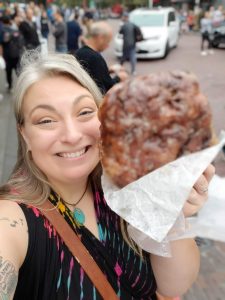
[56, 105]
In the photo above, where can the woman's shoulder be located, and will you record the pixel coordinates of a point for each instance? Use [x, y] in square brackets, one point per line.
[10, 208]
[13, 230]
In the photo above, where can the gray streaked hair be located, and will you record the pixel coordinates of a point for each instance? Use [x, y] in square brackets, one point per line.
[27, 180]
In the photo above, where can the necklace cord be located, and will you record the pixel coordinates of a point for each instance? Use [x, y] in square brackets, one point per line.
[75, 204]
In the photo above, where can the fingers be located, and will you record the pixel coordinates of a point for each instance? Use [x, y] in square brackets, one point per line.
[199, 192]
[194, 197]
[194, 203]
[201, 185]
[209, 172]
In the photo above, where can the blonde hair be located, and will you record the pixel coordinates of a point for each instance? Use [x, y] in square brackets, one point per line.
[27, 180]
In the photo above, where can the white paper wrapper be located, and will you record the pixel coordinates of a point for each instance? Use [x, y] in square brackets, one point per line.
[153, 203]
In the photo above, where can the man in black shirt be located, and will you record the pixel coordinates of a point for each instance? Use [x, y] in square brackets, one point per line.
[29, 31]
[90, 58]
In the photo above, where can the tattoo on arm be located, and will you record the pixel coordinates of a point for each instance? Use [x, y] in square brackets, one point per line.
[13, 223]
[8, 279]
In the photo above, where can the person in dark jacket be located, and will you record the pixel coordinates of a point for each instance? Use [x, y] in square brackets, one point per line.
[129, 43]
[29, 31]
[89, 56]
[12, 44]
[60, 33]
[44, 25]
[74, 31]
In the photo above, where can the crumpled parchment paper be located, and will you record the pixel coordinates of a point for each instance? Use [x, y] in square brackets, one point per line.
[153, 203]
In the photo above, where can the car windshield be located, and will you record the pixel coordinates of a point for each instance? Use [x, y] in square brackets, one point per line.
[149, 20]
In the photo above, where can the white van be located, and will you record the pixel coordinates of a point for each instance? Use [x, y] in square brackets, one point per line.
[160, 29]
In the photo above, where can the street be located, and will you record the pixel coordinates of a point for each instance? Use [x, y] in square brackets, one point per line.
[210, 70]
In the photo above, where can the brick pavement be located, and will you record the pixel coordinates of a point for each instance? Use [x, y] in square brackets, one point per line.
[210, 284]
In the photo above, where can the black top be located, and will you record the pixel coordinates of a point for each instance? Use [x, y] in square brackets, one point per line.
[73, 33]
[28, 29]
[50, 272]
[95, 65]
[128, 32]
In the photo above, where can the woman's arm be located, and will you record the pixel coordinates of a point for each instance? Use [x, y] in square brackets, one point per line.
[176, 274]
[13, 246]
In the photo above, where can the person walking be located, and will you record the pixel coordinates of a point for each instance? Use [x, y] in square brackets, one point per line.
[74, 31]
[60, 33]
[28, 29]
[44, 24]
[12, 47]
[129, 43]
[206, 31]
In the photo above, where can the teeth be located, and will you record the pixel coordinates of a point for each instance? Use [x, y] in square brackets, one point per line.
[73, 154]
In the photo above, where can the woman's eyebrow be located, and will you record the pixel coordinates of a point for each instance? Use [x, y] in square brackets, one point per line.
[81, 97]
[43, 106]
[51, 108]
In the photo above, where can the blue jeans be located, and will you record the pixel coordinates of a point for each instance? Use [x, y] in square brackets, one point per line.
[129, 55]
[61, 48]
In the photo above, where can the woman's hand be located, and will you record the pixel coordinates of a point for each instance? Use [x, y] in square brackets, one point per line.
[199, 192]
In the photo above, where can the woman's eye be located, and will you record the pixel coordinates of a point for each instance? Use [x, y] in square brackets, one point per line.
[85, 112]
[46, 121]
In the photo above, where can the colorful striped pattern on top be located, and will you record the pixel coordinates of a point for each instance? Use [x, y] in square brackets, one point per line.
[50, 272]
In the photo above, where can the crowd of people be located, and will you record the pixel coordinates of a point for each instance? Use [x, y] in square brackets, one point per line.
[28, 27]
[56, 102]
[205, 21]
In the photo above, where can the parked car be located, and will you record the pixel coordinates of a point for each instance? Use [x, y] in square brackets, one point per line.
[160, 29]
[218, 36]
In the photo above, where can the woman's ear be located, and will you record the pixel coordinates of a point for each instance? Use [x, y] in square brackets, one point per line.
[24, 136]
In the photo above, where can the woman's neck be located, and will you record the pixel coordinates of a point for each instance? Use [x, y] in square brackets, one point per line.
[71, 193]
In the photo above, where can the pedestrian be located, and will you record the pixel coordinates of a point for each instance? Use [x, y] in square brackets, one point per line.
[12, 47]
[129, 43]
[206, 32]
[28, 28]
[87, 20]
[218, 17]
[190, 20]
[56, 109]
[74, 32]
[60, 33]
[44, 24]
[89, 56]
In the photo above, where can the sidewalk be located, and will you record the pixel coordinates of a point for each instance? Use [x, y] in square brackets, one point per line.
[210, 284]
[8, 139]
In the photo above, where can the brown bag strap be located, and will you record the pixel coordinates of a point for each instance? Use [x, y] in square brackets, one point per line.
[79, 251]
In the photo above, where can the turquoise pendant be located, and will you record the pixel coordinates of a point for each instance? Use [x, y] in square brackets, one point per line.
[79, 216]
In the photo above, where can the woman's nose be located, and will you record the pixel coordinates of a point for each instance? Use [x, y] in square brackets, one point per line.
[71, 132]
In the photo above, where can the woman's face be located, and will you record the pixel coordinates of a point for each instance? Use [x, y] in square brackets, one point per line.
[61, 129]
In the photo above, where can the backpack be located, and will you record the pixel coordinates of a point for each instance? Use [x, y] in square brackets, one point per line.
[15, 43]
[138, 34]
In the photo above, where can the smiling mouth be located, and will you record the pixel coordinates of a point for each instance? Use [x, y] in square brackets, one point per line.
[73, 154]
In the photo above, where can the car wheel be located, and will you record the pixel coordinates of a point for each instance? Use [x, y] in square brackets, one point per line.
[167, 50]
